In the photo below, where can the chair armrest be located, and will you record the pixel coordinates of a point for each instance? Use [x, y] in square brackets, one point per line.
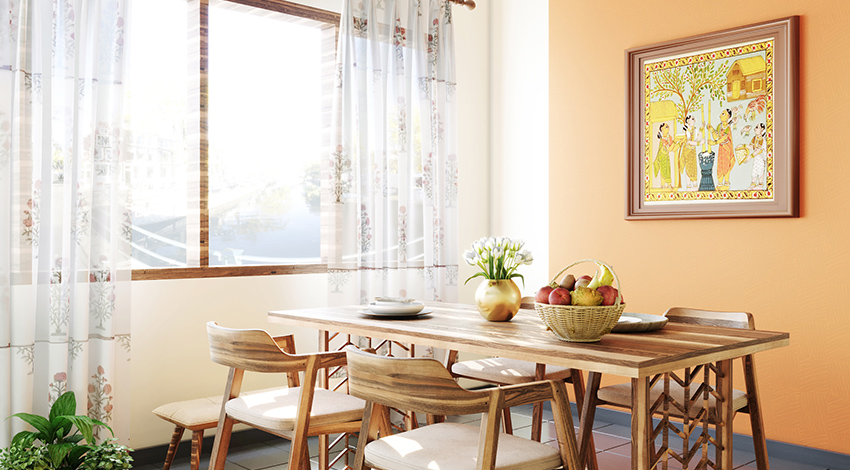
[527, 393]
[331, 359]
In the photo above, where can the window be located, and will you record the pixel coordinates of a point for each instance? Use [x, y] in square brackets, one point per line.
[226, 138]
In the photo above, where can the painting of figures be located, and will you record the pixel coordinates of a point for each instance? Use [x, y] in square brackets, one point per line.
[709, 125]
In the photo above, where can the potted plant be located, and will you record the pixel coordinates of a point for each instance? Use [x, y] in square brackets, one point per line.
[498, 298]
[57, 442]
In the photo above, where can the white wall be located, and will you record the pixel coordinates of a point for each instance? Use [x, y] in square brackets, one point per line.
[170, 355]
[503, 155]
[472, 36]
[519, 130]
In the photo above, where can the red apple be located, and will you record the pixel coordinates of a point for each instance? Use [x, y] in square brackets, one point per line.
[609, 294]
[559, 296]
[543, 295]
[583, 281]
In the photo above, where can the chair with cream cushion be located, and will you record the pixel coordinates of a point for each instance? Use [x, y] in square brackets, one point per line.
[196, 415]
[748, 402]
[295, 412]
[426, 386]
[503, 371]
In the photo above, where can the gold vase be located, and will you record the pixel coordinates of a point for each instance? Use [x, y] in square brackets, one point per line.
[498, 299]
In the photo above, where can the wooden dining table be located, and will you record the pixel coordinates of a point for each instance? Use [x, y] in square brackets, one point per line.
[642, 357]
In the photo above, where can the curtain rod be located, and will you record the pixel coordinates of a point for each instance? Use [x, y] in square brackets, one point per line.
[467, 3]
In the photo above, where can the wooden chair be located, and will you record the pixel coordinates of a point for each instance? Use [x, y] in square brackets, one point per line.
[747, 402]
[503, 371]
[426, 386]
[295, 412]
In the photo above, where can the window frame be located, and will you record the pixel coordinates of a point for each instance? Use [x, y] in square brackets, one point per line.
[198, 253]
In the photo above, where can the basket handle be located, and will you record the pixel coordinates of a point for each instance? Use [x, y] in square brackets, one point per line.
[596, 261]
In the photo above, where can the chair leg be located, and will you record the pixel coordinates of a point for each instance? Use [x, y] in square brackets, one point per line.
[578, 387]
[324, 451]
[197, 443]
[586, 421]
[222, 443]
[754, 410]
[537, 421]
[172, 446]
[506, 418]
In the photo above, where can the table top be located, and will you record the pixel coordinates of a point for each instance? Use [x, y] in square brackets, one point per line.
[460, 327]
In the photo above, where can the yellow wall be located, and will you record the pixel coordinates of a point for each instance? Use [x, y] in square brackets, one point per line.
[792, 274]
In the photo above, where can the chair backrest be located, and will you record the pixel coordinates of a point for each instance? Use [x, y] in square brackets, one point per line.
[741, 320]
[251, 350]
[416, 384]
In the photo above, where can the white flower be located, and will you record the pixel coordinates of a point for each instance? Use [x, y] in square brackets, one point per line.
[507, 243]
[527, 258]
[498, 257]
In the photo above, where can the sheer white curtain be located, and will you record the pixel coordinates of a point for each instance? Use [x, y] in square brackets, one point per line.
[391, 186]
[65, 227]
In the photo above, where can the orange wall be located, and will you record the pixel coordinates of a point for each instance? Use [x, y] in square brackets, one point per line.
[792, 274]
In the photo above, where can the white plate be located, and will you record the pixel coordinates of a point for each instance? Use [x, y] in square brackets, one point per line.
[638, 322]
[624, 319]
[396, 308]
[423, 312]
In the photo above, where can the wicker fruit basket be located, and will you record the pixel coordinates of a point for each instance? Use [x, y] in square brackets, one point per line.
[581, 324]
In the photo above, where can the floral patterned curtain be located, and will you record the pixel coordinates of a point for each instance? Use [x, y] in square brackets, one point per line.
[391, 180]
[65, 226]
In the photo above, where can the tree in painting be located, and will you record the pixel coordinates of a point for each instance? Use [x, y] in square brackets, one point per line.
[690, 84]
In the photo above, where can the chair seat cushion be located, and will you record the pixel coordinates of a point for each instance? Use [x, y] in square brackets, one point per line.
[503, 371]
[197, 414]
[455, 446]
[621, 394]
[277, 409]
[200, 413]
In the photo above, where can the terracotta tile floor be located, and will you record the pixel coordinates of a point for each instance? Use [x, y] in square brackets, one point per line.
[611, 440]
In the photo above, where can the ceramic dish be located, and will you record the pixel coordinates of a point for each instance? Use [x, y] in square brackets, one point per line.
[638, 322]
[396, 308]
[397, 316]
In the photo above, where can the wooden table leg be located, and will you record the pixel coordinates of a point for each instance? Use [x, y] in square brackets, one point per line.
[587, 453]
[723, 426]
[641, 424]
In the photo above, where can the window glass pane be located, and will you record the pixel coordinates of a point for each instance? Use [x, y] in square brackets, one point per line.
[264, 138]
[156, 110]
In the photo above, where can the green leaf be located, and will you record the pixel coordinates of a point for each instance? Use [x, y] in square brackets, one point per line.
[101, 423]
[64, 429]
[38, 422]
[85, 425]
[519, 276]
[74, 439]
[478, 274]
[24, 438]
[65, 405]
[57, 452]
[75, 456]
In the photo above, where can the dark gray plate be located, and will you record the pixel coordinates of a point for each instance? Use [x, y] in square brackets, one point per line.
[638, 322]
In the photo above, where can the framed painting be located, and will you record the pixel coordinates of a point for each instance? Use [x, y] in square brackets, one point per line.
[711, 125]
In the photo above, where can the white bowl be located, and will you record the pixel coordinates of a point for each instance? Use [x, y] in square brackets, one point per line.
[395, 308]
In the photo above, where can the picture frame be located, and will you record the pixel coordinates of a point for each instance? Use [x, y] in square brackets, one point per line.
[712, 125]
